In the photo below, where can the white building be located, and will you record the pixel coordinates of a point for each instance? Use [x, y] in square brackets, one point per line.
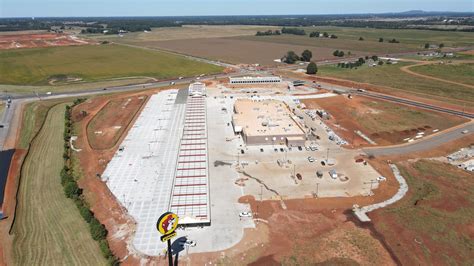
[254, 80]
[197, 89]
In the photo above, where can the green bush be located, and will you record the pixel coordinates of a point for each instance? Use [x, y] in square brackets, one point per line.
[86, 213]
[71, 190]
[66, 177]
[97, 229]
[104, 247]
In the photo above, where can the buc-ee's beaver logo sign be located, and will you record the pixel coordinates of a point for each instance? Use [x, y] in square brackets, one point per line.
[167, 223]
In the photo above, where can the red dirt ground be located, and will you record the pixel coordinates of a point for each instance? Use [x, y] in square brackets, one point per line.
[343, 112]
[414, 247]
[9, 203]
[16, 41]
[439, 101]
[116, 113]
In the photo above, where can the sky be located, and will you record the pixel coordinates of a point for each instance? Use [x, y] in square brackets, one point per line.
[68, 8]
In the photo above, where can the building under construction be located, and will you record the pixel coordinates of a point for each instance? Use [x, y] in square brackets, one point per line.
[267, 122]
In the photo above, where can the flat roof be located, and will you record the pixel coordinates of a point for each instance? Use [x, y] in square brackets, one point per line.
[265, 118]
[141, 175]
[190, 195]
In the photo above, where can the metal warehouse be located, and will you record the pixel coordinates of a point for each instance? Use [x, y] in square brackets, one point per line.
[254, 80]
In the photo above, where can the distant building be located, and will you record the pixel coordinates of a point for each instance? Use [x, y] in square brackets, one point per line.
[254, 80]
[267, 122]
[197, 89]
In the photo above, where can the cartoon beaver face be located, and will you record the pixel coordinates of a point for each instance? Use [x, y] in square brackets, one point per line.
[168, 223]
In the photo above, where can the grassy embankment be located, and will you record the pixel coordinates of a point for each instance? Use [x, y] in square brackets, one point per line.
[462, 73]
[431, 225]
[48, 228]
[391, 76]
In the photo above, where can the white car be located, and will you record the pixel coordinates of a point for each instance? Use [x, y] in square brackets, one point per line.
[188, 243]
[464, 131]
[311, 159]
[245, 214]
[381, 178]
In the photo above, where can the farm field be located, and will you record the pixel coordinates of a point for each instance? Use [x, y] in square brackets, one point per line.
[93, 63]
[391, 76]
[432, 224]
[405, 36]
[185, 32]
[238, 51]
[48, 225]
[105, 129]
[383, 122]
[462, 73]
[353, 45]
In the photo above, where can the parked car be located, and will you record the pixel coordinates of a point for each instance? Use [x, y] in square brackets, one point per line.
[381, 178]
[187, 243]
[311, 159]
[464, 131]
[245, 214]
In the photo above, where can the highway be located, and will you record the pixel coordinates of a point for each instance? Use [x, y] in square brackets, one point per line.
[440, 138]
[414, 103]
[428, 143]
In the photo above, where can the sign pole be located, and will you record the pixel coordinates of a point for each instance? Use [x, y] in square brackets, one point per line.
[170, 256]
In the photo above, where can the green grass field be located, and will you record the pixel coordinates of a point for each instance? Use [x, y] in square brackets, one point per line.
[48, 228]
[93, 63]
[405, 36]
[392, 76]
[348, 39]
[437, 211]
[34, 116]
[463, 73]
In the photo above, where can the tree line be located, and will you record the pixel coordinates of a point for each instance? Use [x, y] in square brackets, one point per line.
[72, 190]
[426, 21]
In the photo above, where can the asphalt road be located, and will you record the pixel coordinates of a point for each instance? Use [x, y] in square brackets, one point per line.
[428, 143]
[423, 144]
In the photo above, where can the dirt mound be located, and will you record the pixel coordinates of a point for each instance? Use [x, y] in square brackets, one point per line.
[17, 41]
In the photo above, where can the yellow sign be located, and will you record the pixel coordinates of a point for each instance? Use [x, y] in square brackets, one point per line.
[165, 238]
[167, 223]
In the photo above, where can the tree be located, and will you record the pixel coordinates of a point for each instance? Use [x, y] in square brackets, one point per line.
[333, 36]
[325, 34]
[427, 45]
[341, 54]
[314, 34]
[306, 55]
[361, 39]
[290, 58]
[441, 45]
[380, 39]
[375, 58]
[380, 63]
[335, 53]
[312, 68]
